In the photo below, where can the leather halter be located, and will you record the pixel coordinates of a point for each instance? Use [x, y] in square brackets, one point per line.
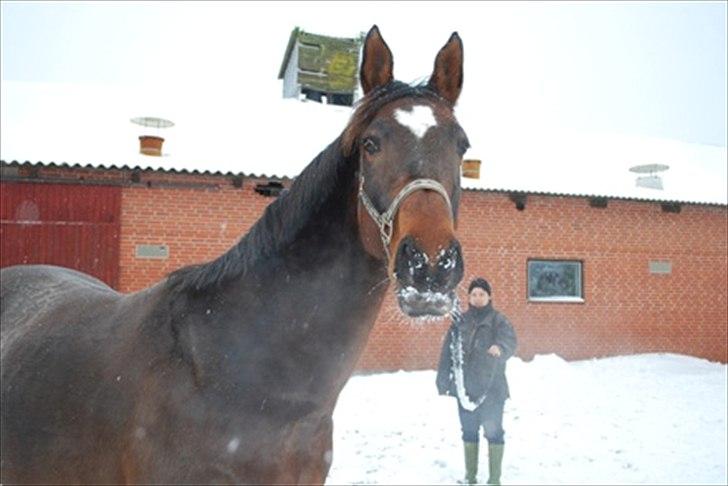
[385, 220]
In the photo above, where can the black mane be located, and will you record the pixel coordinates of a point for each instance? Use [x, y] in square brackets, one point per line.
[280, 223]
[283, 219]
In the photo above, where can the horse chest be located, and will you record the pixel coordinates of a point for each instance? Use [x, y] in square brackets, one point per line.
[206, 438]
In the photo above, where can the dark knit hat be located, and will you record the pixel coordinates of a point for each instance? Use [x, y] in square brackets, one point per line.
[479, 282]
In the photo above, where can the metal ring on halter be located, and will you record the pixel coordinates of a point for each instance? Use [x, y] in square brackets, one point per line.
[385, 220]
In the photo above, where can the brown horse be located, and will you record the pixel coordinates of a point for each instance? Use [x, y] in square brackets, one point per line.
[228, 372]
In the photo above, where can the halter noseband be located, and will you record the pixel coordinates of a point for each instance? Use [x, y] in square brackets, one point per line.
[385, 220]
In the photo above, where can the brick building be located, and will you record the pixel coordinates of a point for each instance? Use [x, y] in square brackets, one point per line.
[635, 275]
[584, 262]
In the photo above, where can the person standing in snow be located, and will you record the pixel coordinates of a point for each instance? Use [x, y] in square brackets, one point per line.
[472, 368]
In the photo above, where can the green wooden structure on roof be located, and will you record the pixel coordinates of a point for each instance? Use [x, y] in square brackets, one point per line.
[318, 67]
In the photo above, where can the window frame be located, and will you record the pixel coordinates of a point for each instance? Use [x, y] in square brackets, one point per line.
[561, 299]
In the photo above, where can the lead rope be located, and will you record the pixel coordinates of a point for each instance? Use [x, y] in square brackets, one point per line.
[457, 362]
[456, 351]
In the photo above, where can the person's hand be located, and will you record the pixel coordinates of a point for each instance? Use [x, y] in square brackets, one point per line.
[494, 351]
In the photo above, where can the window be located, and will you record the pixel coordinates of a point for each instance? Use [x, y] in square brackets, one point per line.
[555, 281]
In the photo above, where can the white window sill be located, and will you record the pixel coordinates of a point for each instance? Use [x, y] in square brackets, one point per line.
[564, 300]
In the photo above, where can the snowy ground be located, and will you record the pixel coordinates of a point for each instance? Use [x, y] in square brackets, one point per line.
[643, 419]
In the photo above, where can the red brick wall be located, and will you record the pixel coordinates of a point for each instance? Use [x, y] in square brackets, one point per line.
[625, 310]
[197, 223]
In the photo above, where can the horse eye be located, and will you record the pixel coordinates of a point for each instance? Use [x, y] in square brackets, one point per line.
[370, 145]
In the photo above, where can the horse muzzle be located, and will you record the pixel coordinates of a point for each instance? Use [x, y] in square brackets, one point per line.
[427, 287]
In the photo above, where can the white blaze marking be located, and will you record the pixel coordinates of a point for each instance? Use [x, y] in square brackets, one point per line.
[418, 120]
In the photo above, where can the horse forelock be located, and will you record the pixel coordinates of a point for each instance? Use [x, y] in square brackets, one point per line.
[369, 106]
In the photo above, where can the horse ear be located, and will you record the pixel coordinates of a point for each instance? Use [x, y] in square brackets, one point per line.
[377, 63]
[447, 77]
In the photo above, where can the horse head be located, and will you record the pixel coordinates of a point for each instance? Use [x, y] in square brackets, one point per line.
[410, 147]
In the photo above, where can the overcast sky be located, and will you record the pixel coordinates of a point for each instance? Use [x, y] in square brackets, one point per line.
[647, 69]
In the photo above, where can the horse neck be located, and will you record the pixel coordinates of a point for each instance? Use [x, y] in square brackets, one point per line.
[299, 316]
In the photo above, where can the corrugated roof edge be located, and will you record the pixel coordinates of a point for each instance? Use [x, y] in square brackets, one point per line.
[65, 165]
[589, 196]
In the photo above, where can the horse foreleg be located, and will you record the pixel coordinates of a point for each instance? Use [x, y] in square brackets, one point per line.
[321, 455]
[308, 452]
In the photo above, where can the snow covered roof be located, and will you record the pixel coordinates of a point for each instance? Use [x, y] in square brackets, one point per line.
[262, 134]
[585, 164]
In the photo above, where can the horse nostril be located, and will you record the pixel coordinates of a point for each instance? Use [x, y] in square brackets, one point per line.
[449, 258]
[411, 263]
[450, 266]
[447, 262]
[418, 261]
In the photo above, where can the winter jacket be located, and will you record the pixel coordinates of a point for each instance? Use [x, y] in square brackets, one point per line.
[479, 329]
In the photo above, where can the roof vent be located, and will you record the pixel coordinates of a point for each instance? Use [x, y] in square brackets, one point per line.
[151, 144]
[471, 168]
[650, 181]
